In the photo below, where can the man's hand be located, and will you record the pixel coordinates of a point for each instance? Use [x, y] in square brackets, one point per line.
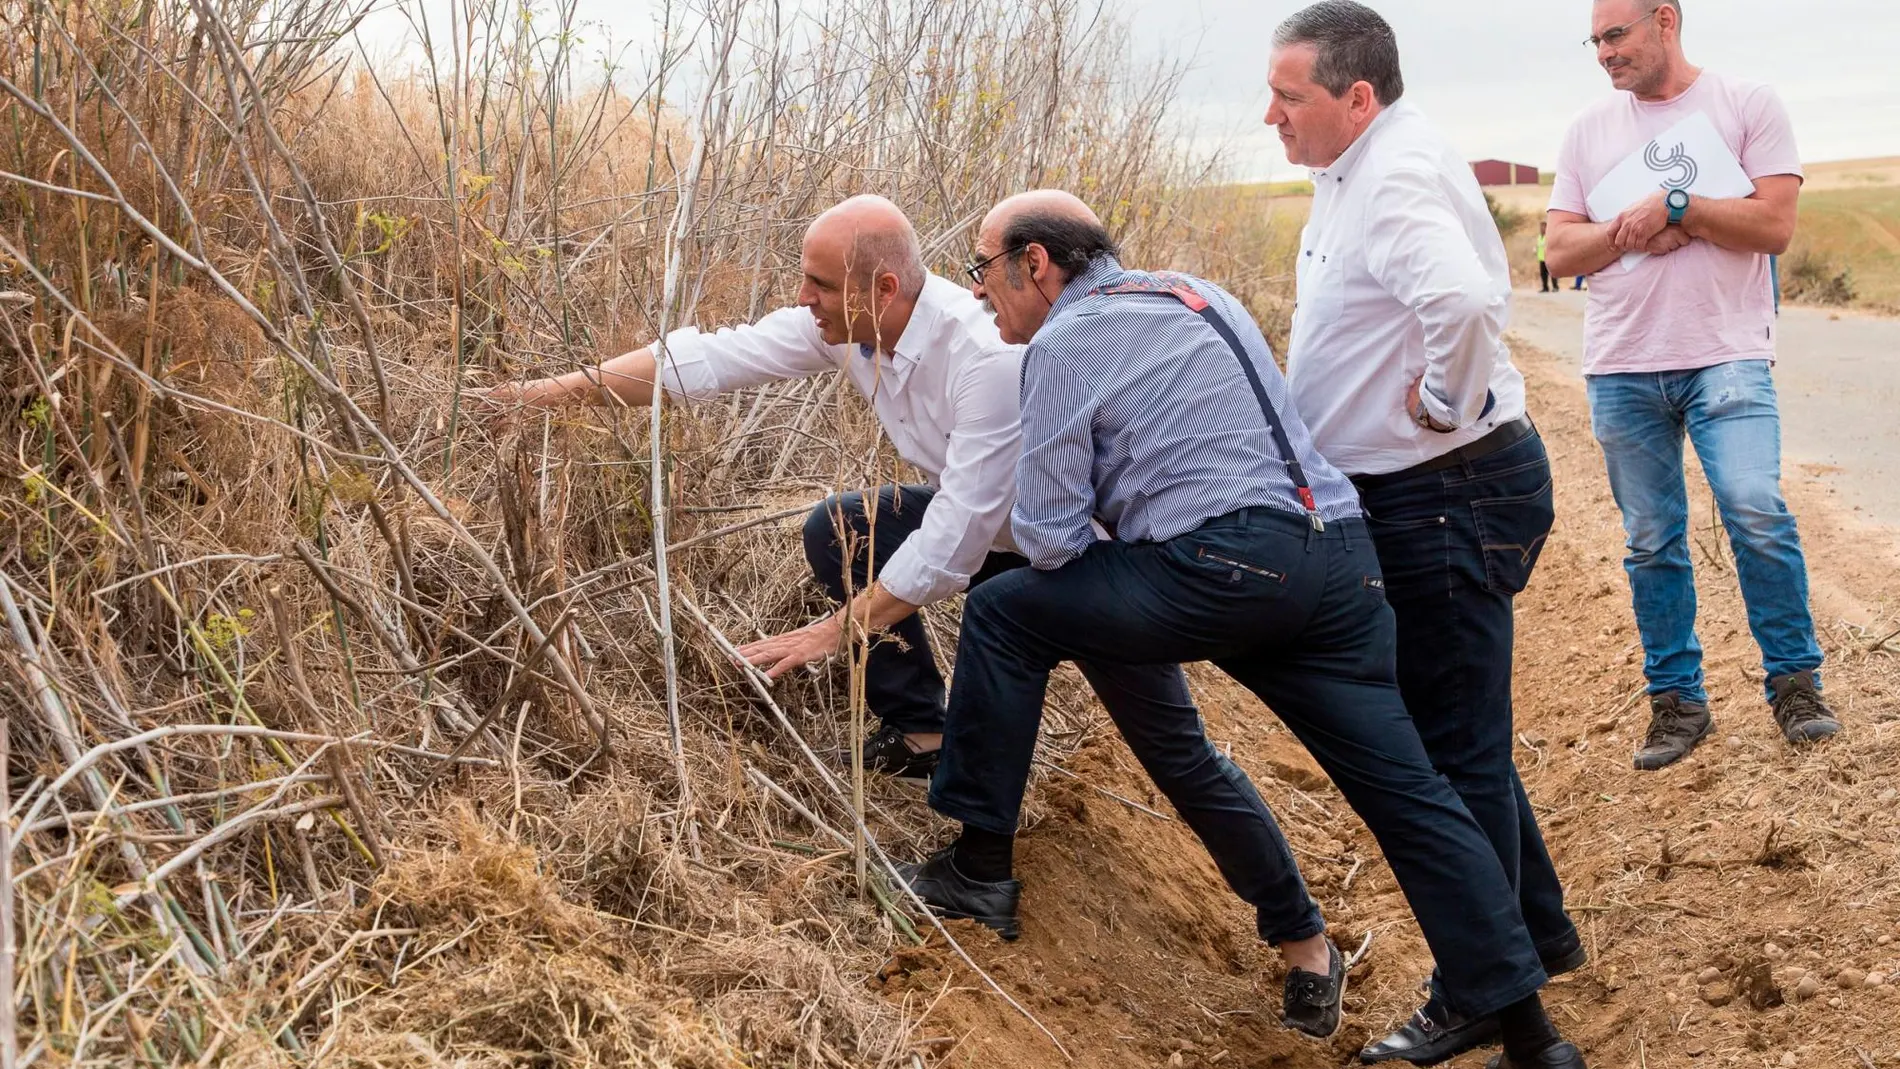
[1671, 239]
[793, 649]
[1412, 403]
[498, 406]
[1639, 224]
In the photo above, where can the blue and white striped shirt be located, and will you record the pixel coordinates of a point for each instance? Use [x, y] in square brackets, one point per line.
[1135, 411]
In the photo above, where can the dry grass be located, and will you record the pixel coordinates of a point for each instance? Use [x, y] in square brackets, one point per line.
[346, 733]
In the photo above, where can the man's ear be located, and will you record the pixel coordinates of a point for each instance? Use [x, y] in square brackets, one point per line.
[1036, 258]
[1364, 99]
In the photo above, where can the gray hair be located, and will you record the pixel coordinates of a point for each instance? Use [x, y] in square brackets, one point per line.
[1354, 44]
[893, 251]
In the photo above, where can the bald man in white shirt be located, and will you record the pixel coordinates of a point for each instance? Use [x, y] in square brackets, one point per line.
[1397, 365]
[927, 356]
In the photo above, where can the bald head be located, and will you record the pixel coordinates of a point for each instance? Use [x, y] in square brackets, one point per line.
[870, 236]
[1067, 229]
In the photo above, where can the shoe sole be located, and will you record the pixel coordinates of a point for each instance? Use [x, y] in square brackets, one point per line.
[1338, 1022]
[1641, 766]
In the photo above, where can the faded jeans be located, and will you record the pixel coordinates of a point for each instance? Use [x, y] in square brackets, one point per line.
[1729, 412]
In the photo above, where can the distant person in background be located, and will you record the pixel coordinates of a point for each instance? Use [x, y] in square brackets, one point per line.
[1578, 284]
[1398, 364]
[1682, 342]
[1545, 283]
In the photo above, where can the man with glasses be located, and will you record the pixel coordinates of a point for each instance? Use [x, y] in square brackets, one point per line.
[1152, 402]
[1680, 342]
[942, 382]
[1397, 363]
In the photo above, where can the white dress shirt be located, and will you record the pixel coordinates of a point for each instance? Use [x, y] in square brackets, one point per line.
[947, 395]
[1401, 274]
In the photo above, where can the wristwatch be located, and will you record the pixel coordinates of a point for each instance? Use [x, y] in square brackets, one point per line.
[1423, 417]
[1678, 203]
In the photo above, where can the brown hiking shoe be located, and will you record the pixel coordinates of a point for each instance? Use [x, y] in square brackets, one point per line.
[1803, 716]
[1675, 728]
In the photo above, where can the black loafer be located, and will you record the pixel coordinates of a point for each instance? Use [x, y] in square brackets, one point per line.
[886, 752]
[1311, 1002]
[1436, 1033]
[1559, 1055]
[951, 894]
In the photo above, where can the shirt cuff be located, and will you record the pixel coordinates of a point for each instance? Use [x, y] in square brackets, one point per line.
[688, 373]
[1439, 410]
[911, 578]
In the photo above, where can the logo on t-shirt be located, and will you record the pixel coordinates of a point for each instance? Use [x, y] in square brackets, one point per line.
[1676, 162]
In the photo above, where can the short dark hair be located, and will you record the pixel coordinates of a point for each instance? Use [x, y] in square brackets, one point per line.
[1354, 44]
[1070, 241]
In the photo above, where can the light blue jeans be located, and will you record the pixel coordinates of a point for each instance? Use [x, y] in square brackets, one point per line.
[1730, 414]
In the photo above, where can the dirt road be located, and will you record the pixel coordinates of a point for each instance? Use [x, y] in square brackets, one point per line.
[1742, 909]
[1839, 380]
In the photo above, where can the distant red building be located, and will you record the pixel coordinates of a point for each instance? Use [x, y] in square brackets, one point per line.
[1503, 173]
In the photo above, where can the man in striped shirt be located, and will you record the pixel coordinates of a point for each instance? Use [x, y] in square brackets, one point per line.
[1152, 403]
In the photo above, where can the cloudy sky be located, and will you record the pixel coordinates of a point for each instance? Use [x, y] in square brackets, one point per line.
[1504, 79]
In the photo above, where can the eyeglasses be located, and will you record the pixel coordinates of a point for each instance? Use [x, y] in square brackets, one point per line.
[975, 267]
[1614, 35]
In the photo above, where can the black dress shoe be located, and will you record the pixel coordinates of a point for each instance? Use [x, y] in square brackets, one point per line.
[951, 894]
[1559, 1055]
[1311, 1002]
[888, 753]
[1435, 1033]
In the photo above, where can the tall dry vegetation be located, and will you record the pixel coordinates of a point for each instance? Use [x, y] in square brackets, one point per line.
[344, 731]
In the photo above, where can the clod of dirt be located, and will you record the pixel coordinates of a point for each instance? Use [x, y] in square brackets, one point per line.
[1708, 976]
[1851, 980]
[1809, 987]
[1876, 979]
[1718, 995]
[1755, 982]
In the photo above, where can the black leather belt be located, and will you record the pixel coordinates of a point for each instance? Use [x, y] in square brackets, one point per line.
[1504, 437]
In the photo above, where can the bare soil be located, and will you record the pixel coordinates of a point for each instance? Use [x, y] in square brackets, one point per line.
[1706, 893]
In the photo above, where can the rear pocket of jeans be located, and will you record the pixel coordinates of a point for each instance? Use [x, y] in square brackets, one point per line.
[1227, 568]
[1513, 531]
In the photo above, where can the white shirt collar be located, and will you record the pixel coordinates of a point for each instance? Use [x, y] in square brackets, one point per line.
[915, 341]
[1341, 168]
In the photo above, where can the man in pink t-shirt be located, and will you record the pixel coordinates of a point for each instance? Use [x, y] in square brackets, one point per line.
[1681, 342]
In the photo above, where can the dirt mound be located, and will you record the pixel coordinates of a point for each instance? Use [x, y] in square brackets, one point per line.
[1741, 909]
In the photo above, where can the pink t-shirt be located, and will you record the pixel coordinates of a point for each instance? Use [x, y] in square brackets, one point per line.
[1700, 305]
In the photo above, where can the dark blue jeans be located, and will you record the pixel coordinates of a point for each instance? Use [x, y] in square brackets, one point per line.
[1457, 546]
[1300, 618]
[902, 686]
[1149, 704]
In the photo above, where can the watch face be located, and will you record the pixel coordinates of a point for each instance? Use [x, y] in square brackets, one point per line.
[1678, 199]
